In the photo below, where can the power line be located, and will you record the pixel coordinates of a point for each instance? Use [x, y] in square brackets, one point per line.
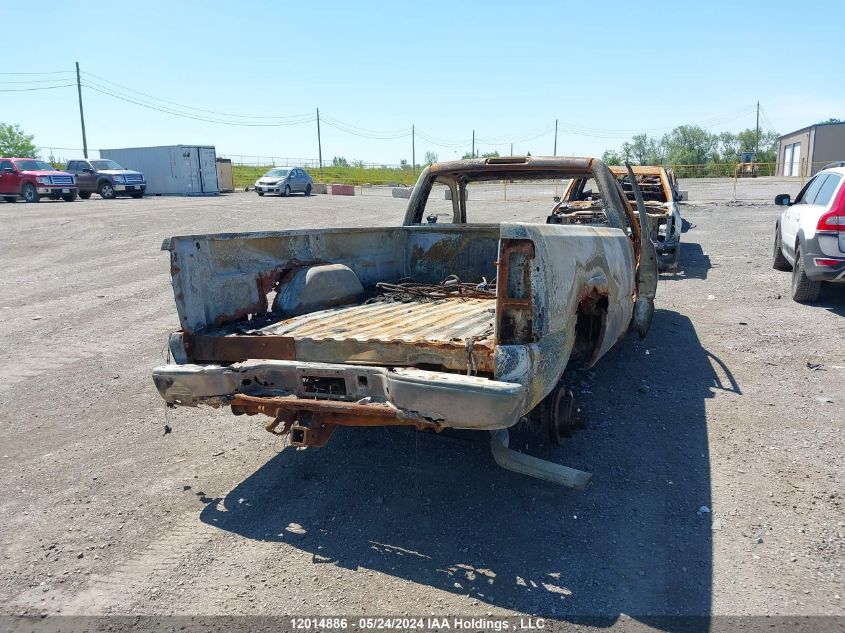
[766, 120]
[363, 132]
[173, 108]
[265, 121]
[34, 81]
[502, 141]
[38, 88]
[372, 136]
[53, 72]
[165, 110]
[441, 143]
[185, 107]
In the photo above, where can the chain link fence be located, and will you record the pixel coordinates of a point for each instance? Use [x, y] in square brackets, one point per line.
[709, 181]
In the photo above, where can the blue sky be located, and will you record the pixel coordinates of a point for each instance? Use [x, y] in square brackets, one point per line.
[506, 69]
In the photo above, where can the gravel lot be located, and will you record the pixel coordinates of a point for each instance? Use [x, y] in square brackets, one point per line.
[717, 455]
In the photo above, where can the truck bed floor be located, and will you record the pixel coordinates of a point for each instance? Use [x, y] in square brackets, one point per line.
[395, 333]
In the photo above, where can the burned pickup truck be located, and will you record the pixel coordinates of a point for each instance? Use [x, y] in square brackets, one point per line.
[430, 324]
[581, 203]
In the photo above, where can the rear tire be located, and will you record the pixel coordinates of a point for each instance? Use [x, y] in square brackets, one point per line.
[30, 193]
[106, 191]
[84, 194]
[779, 262]
[803, 289]
[71, 197]
[308, 190]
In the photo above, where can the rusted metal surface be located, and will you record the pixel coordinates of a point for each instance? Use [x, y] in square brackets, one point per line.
[570, 261]
[286, 409]
[647, 269]
[395, 333]
[232, 349]
[663, 222]
[642, 172]
[315, 434]
[440, 397]
[513, 304]
[551, 277]
[225, 278]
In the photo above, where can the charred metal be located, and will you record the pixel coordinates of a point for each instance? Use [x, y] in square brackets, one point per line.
[424, 325]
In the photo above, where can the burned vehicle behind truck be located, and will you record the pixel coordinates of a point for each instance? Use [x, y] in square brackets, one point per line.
[432, 324]
[582, 203]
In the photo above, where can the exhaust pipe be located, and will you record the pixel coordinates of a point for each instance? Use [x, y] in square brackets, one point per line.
[534, 466]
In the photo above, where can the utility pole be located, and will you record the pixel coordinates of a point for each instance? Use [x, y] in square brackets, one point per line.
[555, 154]
[413, 150]
[319, 144]
[473, 143]
[511, 149]
[81, 115]
[757, 144]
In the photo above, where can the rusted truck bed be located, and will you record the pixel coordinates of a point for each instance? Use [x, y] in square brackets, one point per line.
[431, 325]
[397, 334]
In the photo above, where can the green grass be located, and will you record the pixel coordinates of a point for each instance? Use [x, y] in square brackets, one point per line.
[246, 175]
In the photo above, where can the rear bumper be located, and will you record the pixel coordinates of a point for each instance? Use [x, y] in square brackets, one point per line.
[413, 395]
[824, 257]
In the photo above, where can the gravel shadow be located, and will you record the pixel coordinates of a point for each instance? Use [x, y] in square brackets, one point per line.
[693, 264]
[438, 512]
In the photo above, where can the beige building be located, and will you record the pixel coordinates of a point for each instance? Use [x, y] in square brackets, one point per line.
[805, 151]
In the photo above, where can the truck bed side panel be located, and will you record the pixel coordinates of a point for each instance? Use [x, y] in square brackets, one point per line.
[225, 277]
[571, 263]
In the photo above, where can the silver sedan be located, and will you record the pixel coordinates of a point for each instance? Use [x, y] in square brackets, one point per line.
[284, 181]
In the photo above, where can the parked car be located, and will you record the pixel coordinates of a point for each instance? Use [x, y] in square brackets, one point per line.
[107, 178]
[372, 326]
[810, 234]
[660, 194]
[33, 179]
[284, 181]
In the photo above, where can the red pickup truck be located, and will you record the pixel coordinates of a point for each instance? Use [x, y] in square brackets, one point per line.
[33, 179]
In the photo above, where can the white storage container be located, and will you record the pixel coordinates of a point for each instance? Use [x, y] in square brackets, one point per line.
[181, 170]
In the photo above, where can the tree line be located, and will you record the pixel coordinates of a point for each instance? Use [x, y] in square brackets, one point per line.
[693, 145]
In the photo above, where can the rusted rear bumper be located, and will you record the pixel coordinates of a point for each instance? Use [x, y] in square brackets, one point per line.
[409, 395]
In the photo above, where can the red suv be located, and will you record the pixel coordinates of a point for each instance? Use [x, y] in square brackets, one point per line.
[33, 179]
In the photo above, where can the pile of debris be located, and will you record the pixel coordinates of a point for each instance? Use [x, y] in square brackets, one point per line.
[408, 290]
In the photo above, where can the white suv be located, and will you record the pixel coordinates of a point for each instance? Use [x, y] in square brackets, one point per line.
[810, 233]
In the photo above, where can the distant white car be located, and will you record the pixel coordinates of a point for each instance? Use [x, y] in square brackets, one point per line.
[810, 233]
[284, 181]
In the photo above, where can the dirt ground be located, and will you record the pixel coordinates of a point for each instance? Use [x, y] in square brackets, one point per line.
[716, 446]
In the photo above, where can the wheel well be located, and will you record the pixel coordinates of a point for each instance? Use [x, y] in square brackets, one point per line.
[590, 323]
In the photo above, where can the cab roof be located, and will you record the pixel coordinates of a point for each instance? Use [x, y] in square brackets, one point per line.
[515, 166]
[639, 170]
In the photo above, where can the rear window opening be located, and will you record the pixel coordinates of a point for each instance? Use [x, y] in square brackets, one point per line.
[650, 185]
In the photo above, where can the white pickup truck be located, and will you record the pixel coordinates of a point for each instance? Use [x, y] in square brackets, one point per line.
[428, 324]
